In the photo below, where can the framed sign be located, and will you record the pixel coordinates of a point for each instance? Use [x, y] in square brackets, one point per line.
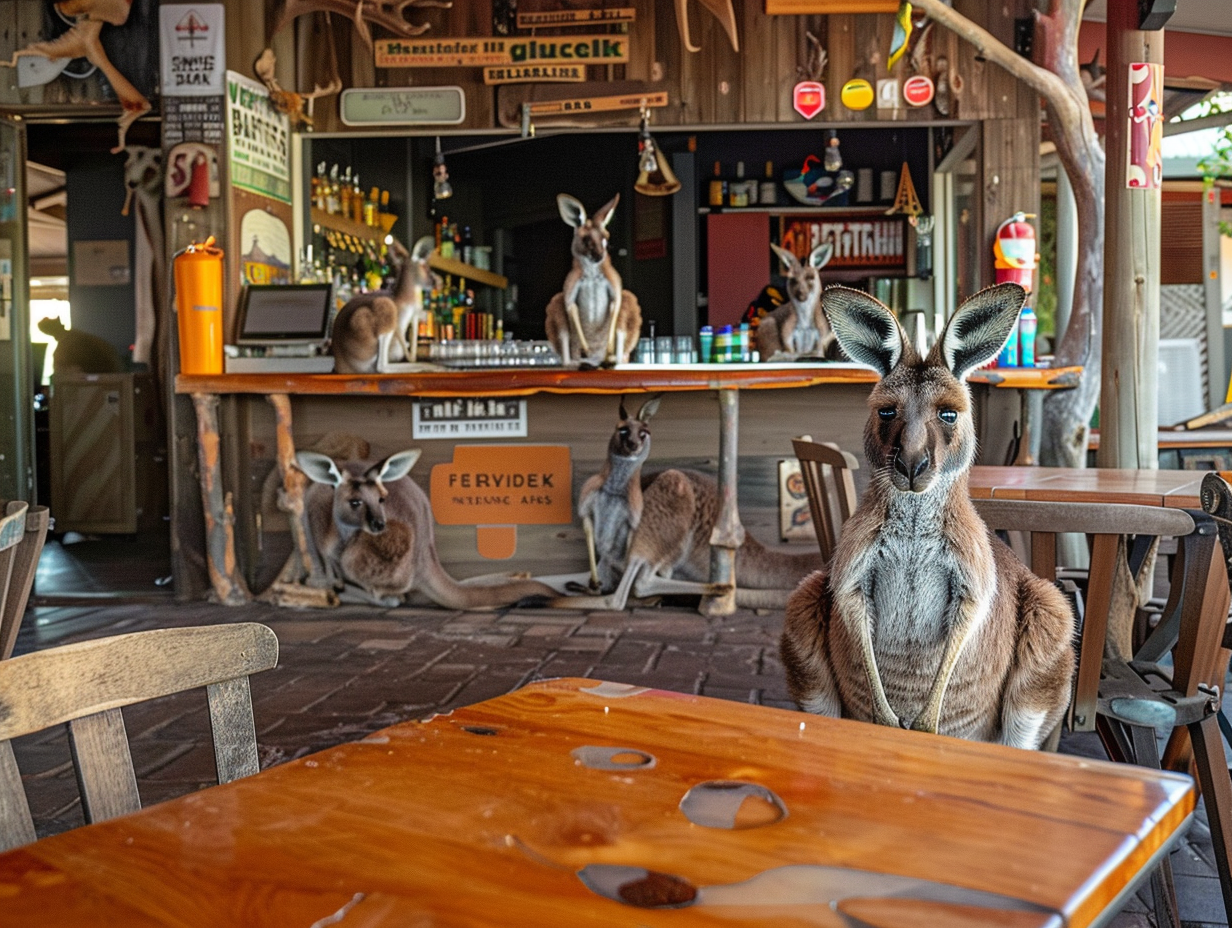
[492, 52]
[592, 16]
[469, 417]
[403, 106]
[861, 242]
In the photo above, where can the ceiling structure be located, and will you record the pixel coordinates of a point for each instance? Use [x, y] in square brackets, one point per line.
[1208, 17]
[46, 212]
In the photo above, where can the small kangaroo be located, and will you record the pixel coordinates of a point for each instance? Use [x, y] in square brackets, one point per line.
[593, 307]
[370, 330]
[80, 352]
[924, 619]
[644, 530]
[372, 527]
[798, 328]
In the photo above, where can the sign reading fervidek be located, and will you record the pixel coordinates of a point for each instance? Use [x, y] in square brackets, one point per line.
[579, 50]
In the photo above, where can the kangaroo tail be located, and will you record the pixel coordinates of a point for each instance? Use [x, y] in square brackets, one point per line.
[759, 568]
[441, 588]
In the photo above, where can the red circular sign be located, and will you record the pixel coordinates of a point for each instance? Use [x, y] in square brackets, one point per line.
[809, 98]
[918, 90]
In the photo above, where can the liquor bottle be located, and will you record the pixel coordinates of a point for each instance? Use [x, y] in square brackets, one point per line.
[736, 195]
[468, 246]
[372, 207]
[344, 194]
[357, 200]
[718, 187]
[768, 194]
[446, 246]
[320, 187]
[438, 232]
[333, 202]
[457, 243]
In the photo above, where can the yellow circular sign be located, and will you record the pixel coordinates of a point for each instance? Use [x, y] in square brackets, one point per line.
[857, 94]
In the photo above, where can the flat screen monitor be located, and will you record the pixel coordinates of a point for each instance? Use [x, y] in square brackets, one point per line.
[283, 314]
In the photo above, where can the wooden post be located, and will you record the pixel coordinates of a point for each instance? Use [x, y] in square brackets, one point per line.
[1129, 390]
[728, 534]
[229, 586]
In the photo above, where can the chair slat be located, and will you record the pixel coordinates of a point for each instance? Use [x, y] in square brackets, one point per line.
[46, 688]
[16, 825]
[235, 734]
[826, 469]
[1091, 518]
[1094, 631]
[1044, 555]
[104, 765]
[25, 563]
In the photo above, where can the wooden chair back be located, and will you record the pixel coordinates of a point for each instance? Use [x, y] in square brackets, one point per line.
[18, 562]
[1104, 524]
[86, 684]
[827, 472]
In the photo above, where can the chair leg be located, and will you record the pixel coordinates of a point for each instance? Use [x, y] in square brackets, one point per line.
[1217, 794]
[1163, 887]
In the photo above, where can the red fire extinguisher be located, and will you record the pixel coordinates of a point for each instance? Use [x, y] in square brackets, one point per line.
[1015, 251]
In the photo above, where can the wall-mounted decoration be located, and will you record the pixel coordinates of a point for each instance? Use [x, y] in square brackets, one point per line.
[723, 12]
[826, 7]
[535, 74]
[364, 13]
[464, 52]
[901, 37]
[101, 263]
[906, 200]
[402, 106]
[266, 241]
[258, 140]
[887, 94]
[814, 185]
[289, 102]
[859, 242]
[808, 98]
[192, 49]
[857, 94]
[192, 163]
[591, 16]
[602, 104]
[918, 90]
[1146, 94]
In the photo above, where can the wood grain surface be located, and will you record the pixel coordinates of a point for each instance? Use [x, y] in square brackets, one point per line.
[1176, 488]
[488, 815]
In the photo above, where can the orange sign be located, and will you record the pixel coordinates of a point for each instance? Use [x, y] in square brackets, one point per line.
[497, 487]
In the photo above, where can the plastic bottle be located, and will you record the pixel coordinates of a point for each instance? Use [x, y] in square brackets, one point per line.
[705, 338]
[1026, 337]
[1009, 354]
[745, 353]
[723, 345]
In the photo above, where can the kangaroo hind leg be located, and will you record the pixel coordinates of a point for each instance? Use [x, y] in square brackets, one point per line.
[1037, 692]
[663, 537]
[804, 647]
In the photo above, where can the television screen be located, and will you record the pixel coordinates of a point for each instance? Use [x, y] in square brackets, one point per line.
[281, 313]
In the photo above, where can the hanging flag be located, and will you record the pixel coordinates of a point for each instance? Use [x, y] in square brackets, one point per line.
[902, 34]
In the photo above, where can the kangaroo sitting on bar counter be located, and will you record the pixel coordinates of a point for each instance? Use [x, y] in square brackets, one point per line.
[593, 321]
[649, 534]
[924, 619]
[372, 530]
[798, 328]
[370, 331]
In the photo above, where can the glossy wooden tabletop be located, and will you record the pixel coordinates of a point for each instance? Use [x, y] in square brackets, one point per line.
[1179, 488]
[574, 802]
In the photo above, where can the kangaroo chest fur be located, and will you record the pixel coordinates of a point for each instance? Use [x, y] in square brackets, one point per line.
[593, 296]
[612, 516]
[805, 336]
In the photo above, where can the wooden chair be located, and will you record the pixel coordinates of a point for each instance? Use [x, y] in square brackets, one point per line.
[85, 685]
[1125, 700]
[827, 472]
[18, 562]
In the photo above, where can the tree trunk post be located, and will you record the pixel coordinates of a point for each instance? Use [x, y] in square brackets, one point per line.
[1129, 397]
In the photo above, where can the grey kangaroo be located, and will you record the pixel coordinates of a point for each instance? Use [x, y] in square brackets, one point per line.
[924, 619]
[372, 527]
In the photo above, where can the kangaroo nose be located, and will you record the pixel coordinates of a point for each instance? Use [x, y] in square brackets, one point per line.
[911, 468]
[378, 525]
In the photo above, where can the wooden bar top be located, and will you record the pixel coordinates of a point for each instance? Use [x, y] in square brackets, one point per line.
[1178, 488]
[513, 381]
[576, 802]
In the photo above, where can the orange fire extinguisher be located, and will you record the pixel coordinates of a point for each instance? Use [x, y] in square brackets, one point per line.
[1015, 251]
[198, 305]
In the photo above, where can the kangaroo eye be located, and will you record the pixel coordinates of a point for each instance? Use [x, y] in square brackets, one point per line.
[624, 430]
[356, 503]
[948, 416]
[887, 412]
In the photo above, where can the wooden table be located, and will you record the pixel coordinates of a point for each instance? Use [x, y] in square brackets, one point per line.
[1179, 488]
[726, 379]
[523, 810]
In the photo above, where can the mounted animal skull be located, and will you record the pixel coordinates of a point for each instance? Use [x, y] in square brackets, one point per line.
[593, 320]
[798, 328]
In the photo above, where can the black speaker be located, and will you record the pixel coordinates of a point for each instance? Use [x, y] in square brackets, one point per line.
[1154, 14]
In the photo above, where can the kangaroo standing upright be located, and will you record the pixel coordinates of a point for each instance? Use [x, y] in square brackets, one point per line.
[371, 526]
[798, 328]
[593, 320]
[646, 533]
[370, 330]
[924, 619]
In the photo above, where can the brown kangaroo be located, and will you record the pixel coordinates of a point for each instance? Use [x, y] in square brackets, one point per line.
[372, 528]
[798, 328]
[924, 619]
[650, 534]
[593, 320]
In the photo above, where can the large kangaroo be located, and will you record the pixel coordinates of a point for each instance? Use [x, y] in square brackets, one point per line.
[924, 619]
[798, 328]
[372, 527]
[650, 534]
[370, 331]
[593, 320]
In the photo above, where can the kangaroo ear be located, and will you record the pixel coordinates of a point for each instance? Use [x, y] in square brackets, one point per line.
[979, 330]
[649, 408]
[422, 248]
[573, 212]
[396, 466]
[319, 468]
[789, 260]
[866, 330]
[606, 211]
[624, 414]
[821, 255]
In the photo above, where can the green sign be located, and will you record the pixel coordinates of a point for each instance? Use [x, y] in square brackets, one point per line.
[403, 106]
[258, 140]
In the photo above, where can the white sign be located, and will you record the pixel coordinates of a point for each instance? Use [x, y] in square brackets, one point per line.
[258, 140]
[402, 106]
[469, 417]
[192, 48]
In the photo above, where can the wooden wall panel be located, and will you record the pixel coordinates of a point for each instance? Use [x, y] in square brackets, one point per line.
[1180, 242]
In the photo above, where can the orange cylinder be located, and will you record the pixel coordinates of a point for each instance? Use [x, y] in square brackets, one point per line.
[198, 305]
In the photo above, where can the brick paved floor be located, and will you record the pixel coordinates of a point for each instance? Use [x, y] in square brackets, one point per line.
[344, 673]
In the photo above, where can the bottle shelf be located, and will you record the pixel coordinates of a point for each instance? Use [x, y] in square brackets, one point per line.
[861, 209]
[469, 271]
[346, 226]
